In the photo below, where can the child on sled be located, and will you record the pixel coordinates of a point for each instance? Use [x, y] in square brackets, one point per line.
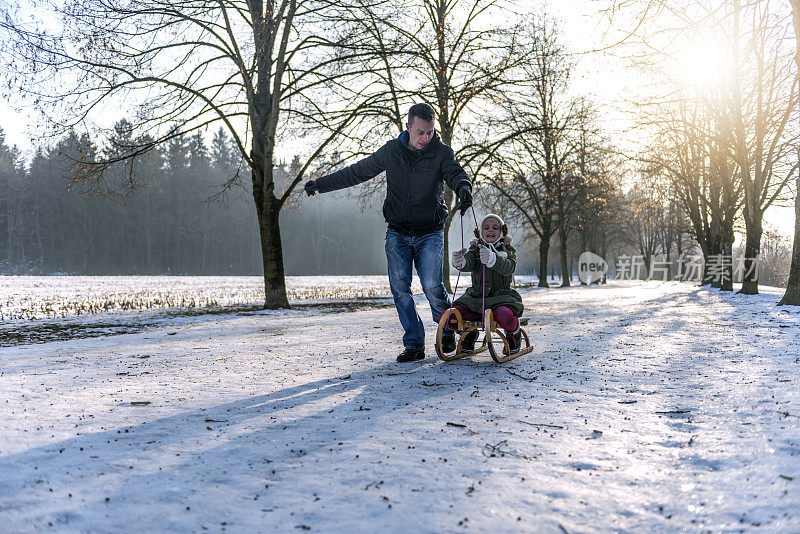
[492, 254]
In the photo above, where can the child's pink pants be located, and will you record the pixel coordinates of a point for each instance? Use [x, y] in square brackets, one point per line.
[502, 314]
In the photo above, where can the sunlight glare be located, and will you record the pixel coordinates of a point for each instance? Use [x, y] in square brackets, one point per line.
[702, 63]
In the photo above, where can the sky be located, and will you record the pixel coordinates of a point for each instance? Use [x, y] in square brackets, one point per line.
[599, 76]
[14, 123]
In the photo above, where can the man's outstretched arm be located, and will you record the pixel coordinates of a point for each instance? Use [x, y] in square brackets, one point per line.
[358, 172]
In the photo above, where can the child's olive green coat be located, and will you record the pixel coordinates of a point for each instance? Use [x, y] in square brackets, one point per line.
[499, 277]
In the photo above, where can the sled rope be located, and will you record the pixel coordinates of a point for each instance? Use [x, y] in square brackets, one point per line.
[483, 267]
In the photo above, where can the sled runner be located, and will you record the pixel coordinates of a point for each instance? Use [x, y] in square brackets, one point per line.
[492, 331]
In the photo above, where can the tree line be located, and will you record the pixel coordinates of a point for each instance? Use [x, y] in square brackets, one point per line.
[179, 219]
[176, 220]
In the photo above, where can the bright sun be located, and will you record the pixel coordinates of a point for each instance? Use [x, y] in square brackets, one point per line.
[701, 63]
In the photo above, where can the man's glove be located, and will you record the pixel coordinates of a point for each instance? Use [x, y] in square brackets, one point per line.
[458, 258]
[488, 256]
[465, 196]
[311, 188]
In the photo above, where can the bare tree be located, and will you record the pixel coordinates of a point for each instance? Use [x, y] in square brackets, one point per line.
[600, 217]
[764, 97]
[792, 295]
[535, 171]
[688, 152]
[645, 219]
[250, 65]
[455, 56]
[586, 178]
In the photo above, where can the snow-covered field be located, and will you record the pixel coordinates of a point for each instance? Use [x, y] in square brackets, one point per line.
[645, 407]
[44, 297]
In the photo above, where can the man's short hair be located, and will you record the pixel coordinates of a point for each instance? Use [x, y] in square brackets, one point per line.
[422, 111]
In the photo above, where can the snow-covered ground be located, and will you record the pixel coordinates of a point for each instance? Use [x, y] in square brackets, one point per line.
[645, 407]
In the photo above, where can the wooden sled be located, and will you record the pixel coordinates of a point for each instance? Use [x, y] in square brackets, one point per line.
[465, 327]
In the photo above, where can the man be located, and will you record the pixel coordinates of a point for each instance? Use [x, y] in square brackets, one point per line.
[417, 165]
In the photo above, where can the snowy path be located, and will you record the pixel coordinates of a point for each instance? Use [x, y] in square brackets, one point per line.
[646, 406]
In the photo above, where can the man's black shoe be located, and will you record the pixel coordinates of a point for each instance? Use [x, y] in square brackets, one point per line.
[468, 344]
[448, 341]
[411, 355]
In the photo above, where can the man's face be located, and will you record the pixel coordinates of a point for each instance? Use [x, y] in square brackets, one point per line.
[420, 133]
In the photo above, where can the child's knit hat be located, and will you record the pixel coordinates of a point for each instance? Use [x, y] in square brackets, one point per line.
[503, 227]
[496, 216]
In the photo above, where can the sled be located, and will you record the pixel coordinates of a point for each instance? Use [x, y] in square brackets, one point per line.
[492, 330]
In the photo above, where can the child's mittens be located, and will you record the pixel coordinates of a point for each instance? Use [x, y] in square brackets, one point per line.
[488, 256]
[458, 258]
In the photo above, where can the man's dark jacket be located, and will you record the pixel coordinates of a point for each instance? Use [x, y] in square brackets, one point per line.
[414, 182]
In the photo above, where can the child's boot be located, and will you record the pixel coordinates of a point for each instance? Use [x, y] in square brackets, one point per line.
[468, 344]
[448, 341]
[514, 340]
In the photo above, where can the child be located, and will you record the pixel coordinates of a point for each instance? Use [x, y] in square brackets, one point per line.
[494, 255]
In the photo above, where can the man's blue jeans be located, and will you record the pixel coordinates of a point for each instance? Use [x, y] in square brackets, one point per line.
[425, 253]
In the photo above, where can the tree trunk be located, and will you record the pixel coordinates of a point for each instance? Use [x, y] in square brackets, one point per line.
[792, 295]
[752, 248]
[716, 250]
[727, 254]
[268, 211]
[582, 250]
[706, 251]
[602, 253]
[565, 275]
[446, 135]
[446, 253]
[148, 235]
[544, 249]
[271, 254]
